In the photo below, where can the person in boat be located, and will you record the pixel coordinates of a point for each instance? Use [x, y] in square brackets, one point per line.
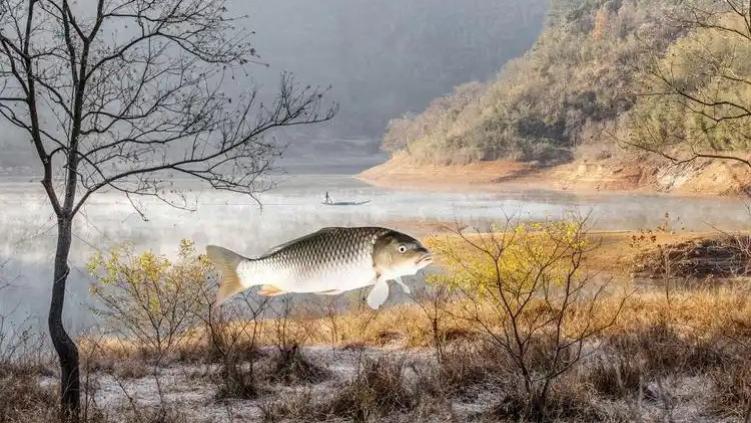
[328, 198]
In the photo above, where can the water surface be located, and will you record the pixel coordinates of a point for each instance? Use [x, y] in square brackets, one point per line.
[291, 209]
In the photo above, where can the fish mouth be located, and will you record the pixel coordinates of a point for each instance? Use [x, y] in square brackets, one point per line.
[425, 259]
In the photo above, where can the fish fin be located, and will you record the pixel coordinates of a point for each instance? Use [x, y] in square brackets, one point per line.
[379, 294]
[296, 240]
[404, 286]
[270, 291]
[330, 292]
[226, 262]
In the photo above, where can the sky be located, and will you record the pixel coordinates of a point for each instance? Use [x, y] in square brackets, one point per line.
[382, 59]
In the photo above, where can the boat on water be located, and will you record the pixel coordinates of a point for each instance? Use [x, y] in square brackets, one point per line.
[327, 201]
[345, 203]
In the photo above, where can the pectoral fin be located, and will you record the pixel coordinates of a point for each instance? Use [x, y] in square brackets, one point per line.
[378, 294]
[404, 286]
[270, 291]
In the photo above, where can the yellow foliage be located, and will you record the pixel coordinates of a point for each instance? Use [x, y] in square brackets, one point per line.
[512, 257]
[149, 296]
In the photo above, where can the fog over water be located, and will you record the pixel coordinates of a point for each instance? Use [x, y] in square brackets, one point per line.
[292, 209]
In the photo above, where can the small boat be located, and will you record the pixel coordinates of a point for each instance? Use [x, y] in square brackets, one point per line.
[345, 203]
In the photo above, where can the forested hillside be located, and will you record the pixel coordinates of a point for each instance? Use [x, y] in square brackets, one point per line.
[582, 78]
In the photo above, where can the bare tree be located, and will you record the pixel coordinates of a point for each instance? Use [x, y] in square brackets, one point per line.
[704, 79]
[120, 94]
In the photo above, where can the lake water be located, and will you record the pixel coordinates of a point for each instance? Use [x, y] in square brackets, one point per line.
[291, 209]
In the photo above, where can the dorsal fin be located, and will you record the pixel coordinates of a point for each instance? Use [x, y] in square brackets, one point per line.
[296, 240]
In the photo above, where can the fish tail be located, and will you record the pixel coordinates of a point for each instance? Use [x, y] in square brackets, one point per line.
[226, 262]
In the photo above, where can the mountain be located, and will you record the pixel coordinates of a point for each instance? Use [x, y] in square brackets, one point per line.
[576, 83]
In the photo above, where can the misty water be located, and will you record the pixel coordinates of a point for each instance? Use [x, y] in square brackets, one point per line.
[291, 209]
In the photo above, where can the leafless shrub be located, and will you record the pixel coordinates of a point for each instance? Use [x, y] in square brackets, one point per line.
[24, 400]
[378, 389]
[233, 335]
[295, 407]
[569, 400]
[23, 350]
[25, 356]
[616, 376]
[661, 350]
[432, 300]
[290, 365]
[161, 415]
[466, 365]
[528, 293]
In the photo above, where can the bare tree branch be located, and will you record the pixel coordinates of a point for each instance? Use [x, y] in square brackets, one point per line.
[124, 95]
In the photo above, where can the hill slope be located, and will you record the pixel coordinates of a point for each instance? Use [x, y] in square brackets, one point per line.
[580, 76]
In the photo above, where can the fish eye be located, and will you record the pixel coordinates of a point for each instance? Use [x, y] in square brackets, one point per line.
[402, 249]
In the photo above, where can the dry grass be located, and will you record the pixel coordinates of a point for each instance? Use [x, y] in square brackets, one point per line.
[24, 400]
[700, 334]
[291, 366]
[732, 388]
[378, 389]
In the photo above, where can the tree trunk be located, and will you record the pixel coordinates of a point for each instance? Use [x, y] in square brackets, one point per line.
[67, 352]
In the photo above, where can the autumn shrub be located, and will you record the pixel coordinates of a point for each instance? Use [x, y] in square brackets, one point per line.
[147, 297]
[527, 292]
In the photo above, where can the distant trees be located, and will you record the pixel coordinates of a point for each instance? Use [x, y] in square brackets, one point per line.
[672, 78]
[578, 80]
[443, 117]
[700, 105]
[118, 95]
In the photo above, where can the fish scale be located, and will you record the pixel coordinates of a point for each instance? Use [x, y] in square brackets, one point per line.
[341, 257]
[329, 261]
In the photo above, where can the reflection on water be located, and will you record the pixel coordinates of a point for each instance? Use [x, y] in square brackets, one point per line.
[293, 208]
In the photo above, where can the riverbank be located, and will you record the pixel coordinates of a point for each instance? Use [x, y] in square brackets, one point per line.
[587, 174]
[433, 359]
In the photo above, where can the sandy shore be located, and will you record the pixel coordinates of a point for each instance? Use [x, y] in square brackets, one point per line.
[630, 174]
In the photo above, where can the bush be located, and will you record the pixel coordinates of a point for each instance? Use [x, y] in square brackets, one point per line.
[149, 298]
[24, 400]
[290, 366]
[530, 297]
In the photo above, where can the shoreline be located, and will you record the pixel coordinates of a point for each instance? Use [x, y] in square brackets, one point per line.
[635, 175]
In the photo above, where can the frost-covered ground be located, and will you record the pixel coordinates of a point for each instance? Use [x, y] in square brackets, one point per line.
[191, 391]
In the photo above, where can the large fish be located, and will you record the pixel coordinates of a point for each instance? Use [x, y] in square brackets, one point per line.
[329, 262]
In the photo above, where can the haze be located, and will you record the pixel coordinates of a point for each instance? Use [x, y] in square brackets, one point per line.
[382, 59]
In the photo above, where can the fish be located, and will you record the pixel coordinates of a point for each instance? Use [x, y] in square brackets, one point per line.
[327, 262]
